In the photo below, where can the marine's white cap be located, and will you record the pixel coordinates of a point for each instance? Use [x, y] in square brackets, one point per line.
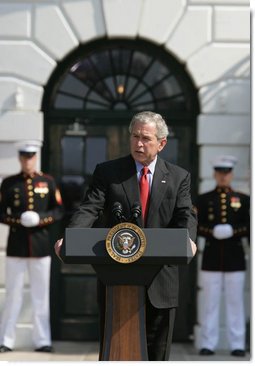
[224, 162]
[29, 146]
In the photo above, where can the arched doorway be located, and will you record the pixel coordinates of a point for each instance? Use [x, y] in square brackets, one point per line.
[88, 103]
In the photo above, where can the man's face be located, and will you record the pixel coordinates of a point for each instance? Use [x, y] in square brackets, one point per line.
[28, 162]
[223, 179]
[144, 144]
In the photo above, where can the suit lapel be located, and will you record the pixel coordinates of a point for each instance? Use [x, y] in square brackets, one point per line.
[158, 189]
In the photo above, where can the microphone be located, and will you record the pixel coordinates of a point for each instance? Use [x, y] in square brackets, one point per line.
[117, 211]
[136, 210]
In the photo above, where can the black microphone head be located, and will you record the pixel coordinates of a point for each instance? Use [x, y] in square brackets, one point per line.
[117, 209]
[136, 210]
[117, 206]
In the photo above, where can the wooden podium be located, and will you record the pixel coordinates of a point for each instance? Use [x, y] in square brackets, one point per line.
[124, 330]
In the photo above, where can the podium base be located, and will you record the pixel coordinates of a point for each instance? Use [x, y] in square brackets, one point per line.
[125, 324]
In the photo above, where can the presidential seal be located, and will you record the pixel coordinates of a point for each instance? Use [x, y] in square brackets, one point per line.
[125, 242]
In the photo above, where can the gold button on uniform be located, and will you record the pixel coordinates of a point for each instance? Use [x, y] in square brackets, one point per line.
[30, 207]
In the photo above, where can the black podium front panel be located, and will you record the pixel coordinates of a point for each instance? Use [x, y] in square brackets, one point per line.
[164, 246]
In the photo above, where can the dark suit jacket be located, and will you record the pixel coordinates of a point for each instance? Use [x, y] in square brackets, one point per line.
[170, 207]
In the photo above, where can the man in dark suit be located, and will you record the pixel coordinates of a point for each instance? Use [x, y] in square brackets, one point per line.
[169, 206]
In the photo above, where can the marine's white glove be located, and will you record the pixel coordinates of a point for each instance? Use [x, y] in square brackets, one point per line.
[29, 219]
[223, 231]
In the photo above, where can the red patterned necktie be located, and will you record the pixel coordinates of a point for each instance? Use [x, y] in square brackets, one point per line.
[144, 191]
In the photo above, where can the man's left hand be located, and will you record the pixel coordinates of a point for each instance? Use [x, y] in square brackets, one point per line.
[193, 247]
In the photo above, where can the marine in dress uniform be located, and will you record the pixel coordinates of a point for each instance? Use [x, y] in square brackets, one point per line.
[223, 219]
[29, 203]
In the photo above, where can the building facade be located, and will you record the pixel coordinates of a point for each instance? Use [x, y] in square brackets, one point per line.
[188, 59]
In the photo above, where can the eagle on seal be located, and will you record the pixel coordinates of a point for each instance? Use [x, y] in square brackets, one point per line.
[125, 243]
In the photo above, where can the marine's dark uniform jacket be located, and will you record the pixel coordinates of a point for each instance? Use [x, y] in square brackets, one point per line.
[38, 193]
[223, 206]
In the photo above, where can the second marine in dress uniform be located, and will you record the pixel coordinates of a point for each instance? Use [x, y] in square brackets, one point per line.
[29, 203]
[223, 219]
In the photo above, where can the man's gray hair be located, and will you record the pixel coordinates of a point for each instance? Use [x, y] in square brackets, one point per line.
[147, 117]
